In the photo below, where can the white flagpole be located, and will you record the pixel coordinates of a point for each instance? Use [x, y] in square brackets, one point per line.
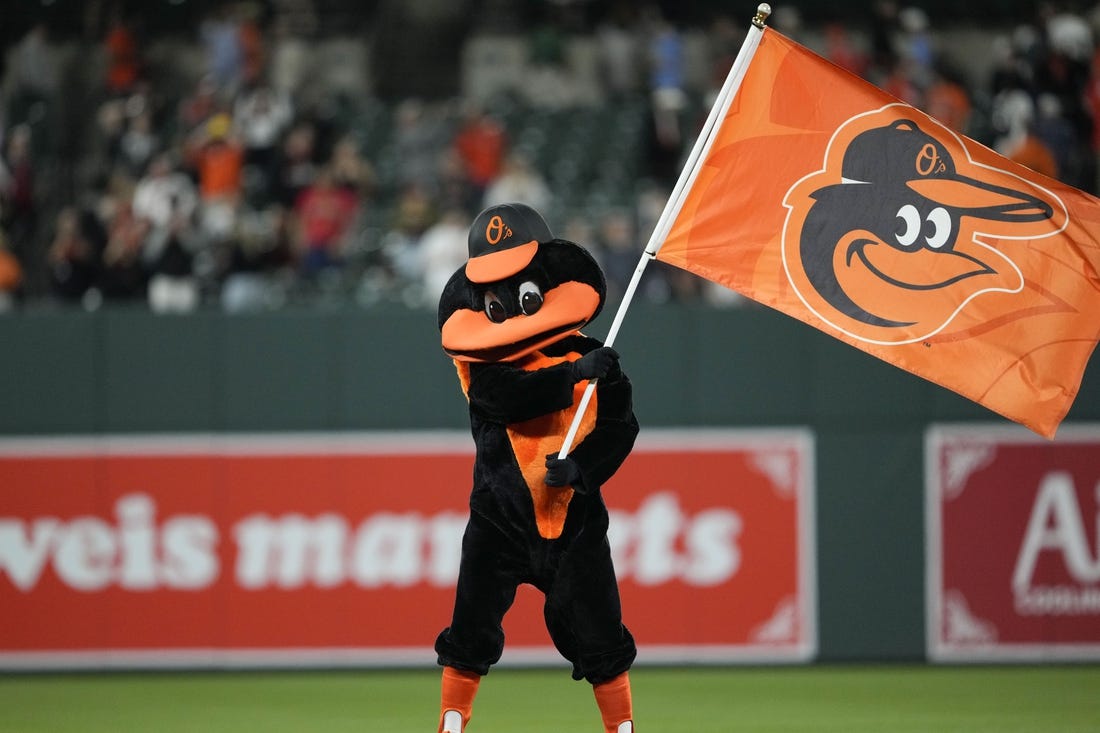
[676, 198]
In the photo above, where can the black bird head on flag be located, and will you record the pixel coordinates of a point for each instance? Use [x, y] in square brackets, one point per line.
[893, 235]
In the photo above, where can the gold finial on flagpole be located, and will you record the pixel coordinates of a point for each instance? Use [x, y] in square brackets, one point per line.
[763, 10]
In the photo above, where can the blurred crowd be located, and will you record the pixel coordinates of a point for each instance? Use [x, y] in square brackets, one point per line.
[238, 188]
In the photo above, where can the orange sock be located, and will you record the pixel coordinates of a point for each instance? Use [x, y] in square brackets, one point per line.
[457, 693]
[613, 699]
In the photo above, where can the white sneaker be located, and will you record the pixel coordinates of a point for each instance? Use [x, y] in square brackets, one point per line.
[452, 722]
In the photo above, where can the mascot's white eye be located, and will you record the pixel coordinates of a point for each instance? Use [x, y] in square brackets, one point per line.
[530, 298]
[494, 309]
[940, 221]
[909, 224]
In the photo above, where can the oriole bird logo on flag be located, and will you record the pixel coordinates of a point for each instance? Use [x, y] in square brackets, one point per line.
[820, 195]
[893, 237]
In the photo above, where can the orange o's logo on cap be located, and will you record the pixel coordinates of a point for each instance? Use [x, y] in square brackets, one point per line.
[497, 230]
[929, 161]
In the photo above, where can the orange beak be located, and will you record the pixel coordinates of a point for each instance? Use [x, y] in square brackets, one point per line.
[469, 335]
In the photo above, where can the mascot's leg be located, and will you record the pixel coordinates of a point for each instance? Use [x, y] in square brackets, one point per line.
[475, 639]
[584, 618]
[616, 709]
[457, 699]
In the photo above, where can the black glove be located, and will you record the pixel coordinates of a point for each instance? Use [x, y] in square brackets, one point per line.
[563, 472]
[595, 364]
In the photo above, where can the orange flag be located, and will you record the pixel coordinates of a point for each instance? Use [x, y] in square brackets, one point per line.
[831, 201]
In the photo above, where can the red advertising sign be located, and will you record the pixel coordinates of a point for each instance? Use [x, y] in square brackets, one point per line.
[327, 549]
[1013, 544]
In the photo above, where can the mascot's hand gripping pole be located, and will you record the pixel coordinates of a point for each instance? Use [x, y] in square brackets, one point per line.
[676, 198]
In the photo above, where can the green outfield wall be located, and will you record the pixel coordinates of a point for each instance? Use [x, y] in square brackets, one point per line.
[381, 369]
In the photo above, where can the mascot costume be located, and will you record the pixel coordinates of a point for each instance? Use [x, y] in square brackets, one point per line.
[511, 319]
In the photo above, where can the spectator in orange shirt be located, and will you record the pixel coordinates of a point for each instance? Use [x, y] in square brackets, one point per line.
[948, 101]
[1031, 152]
[1014, 113]
[123, 58]
[217, 159]
[253, 52]
[481, 143]
[11, 276]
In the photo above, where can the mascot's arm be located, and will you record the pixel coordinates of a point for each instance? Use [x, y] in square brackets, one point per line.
[596, 457]
[603, 450]
[503, 393]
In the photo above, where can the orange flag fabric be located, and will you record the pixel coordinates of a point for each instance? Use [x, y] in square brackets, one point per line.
[827, 199]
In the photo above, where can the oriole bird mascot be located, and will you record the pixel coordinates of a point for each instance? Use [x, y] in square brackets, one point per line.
[511, 319]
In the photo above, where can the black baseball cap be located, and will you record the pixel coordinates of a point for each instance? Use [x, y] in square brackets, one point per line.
[503, 240]
[904, 154]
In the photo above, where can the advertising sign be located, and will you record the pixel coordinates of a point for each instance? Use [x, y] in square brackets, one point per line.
[1013, 552]
[330, 549]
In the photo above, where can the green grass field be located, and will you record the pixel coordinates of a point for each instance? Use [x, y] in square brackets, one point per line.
[848, 699]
